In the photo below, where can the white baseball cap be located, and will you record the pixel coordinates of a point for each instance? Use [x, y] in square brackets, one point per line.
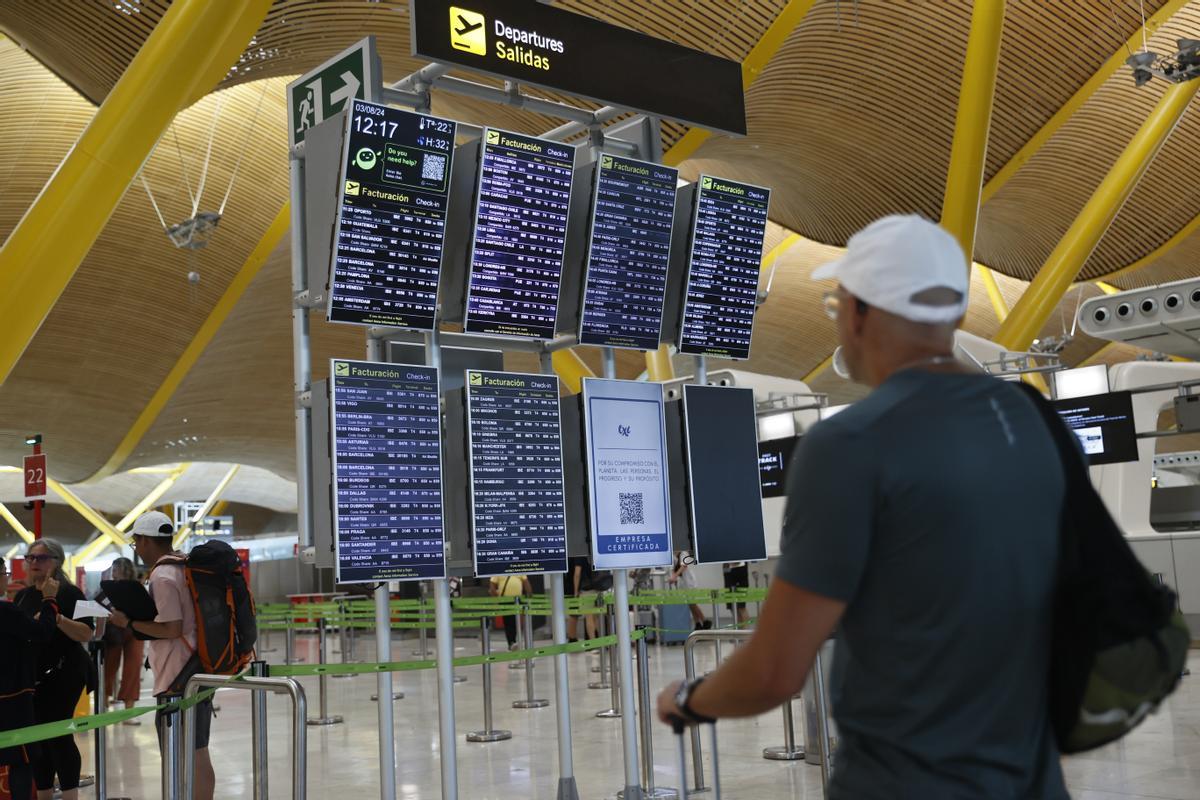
[153, 523]
[894, 259]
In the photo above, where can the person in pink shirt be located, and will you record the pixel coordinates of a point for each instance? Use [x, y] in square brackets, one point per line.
[173, 632]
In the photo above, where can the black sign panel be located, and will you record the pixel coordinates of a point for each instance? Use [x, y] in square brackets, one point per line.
[774, 455]
[722, 450]
[520, 235]
[387, 252]
[545, 46]
[1104, 425]
[628, 254]
[517, 502]
[387, 469]
[728, 230]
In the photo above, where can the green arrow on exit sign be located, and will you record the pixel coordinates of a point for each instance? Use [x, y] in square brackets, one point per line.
[320, 93]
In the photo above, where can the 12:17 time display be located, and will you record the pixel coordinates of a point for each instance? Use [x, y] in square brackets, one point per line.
[372, 126]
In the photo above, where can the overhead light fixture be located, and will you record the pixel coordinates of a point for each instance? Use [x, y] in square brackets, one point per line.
[1179, 67]
[33, 439]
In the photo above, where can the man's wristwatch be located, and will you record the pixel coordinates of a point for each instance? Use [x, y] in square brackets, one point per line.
[681, 702]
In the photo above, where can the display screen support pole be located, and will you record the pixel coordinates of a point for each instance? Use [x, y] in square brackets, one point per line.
[301, 355]
[445, 641]
[702, 371]
[383, 652]
[633, 790]
[567, 788]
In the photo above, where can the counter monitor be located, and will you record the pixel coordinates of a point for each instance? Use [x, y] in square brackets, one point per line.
[1104, 425]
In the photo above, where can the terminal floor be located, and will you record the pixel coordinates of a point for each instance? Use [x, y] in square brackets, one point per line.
[1159, 760]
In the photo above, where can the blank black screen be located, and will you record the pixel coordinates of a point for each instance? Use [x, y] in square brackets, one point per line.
[722, 447]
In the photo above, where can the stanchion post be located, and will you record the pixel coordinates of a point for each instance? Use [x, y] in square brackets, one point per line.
[823, 724]
[567, 788]
[602, 629]
[258, 731]
[101, 756]
[789, 751]
[527, 635]
[487, 734]
[610, 654]
[717, 622]
[323, 681]
[170, 755]
[289, 644]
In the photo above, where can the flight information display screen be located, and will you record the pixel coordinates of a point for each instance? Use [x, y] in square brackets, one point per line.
[629, 505]
[520, 235]
[387, 472]
[394, 183]
[728, 230]
[517, 503]
[628, 254]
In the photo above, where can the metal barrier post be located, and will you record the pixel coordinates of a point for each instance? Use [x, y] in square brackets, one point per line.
[101, 755]
[323, 683]
[716, 609]
[646, 727]
[258, 731]
[602, 630]
[247, 683]
[343, 646]
[823, 722]
[487, 734]
[422, 632]
[527, 635]
[170, 756]
[614, 709]
[789, 751]
[689, 666]
[289, 646]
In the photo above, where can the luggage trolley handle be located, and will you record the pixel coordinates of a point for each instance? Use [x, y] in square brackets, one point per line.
[680, 727]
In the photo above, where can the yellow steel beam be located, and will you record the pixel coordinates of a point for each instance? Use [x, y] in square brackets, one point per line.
[818, 369]
[968, 152]
[999, 304]
[1077, 100]
[150, 499]
[1068, 257]
[571, 368]
[15, 523]
[182, 535]
[1107, 288]
[87, 512]
[208, 330]
[42, 253]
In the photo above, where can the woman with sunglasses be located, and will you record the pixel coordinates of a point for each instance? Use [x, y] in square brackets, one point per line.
[62, 667]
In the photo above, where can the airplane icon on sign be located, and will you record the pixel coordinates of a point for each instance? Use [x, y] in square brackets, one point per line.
[465, 27]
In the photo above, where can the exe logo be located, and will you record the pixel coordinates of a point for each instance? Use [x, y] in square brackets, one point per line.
[624, 430]
[467, 31]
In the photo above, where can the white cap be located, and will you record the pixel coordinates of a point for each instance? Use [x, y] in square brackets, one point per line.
[892, 260]
[153, 523]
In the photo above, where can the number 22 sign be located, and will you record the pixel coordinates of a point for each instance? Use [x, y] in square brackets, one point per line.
[35, 477]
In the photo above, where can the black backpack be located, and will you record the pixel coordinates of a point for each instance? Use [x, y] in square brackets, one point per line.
[1120, 641]
[226, 628]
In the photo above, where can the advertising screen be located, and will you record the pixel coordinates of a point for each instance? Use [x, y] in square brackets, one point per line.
[1104, 425]
[628, 254]
[517, 503]
[628, 504]
[387, 472]
[520, 235]
[721, 434]
[774, 455]
[728, 230]
[394, 183]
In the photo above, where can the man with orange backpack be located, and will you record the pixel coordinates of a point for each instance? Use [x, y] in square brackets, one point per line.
[207, 585]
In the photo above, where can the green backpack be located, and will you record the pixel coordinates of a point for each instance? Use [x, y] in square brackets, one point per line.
[1120, 641]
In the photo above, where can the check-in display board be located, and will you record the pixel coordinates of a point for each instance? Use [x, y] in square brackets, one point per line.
[520, 235]
[728, 229]
[395, 191]
[628, 253]
[721, 434]
[387, 472]
[517, 503]
[629, 507]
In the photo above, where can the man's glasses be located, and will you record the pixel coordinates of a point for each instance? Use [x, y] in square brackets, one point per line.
[39, 557]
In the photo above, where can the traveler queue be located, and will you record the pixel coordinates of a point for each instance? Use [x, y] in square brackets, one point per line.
[51, 668]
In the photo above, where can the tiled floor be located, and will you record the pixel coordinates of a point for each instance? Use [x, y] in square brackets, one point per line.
[1159, 760]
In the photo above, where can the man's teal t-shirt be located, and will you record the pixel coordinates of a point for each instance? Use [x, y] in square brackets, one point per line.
[932, 509]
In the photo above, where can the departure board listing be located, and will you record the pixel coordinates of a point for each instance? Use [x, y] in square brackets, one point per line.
[387, 471]
[628, 254]
[627, 473]
[520, 234]
[517, 503]
[395, 183]
[723, 268]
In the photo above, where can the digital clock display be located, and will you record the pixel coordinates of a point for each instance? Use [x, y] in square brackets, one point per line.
[390, 232]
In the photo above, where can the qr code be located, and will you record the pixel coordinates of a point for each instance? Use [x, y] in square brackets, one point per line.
[633, 512]
[433, 168]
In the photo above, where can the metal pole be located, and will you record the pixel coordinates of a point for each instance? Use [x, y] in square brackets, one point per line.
[702, 370]
[646, 720]
[323, 682]
[343, 647]
[789, 751]
[289, 645]
[625, 664]
[527, 633]
[610, 655]
[823, 723]
[487, 734]
[170, 756]
[301, 354]
[716, 609]
[602, 629]
[445, 672]
[258, 731]
[567, 788]
[689, 667]
[101, 757]
[383, 688]
[422, 632]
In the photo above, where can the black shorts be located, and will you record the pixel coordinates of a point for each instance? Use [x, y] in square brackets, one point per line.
[204, 715]
[737, 578]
